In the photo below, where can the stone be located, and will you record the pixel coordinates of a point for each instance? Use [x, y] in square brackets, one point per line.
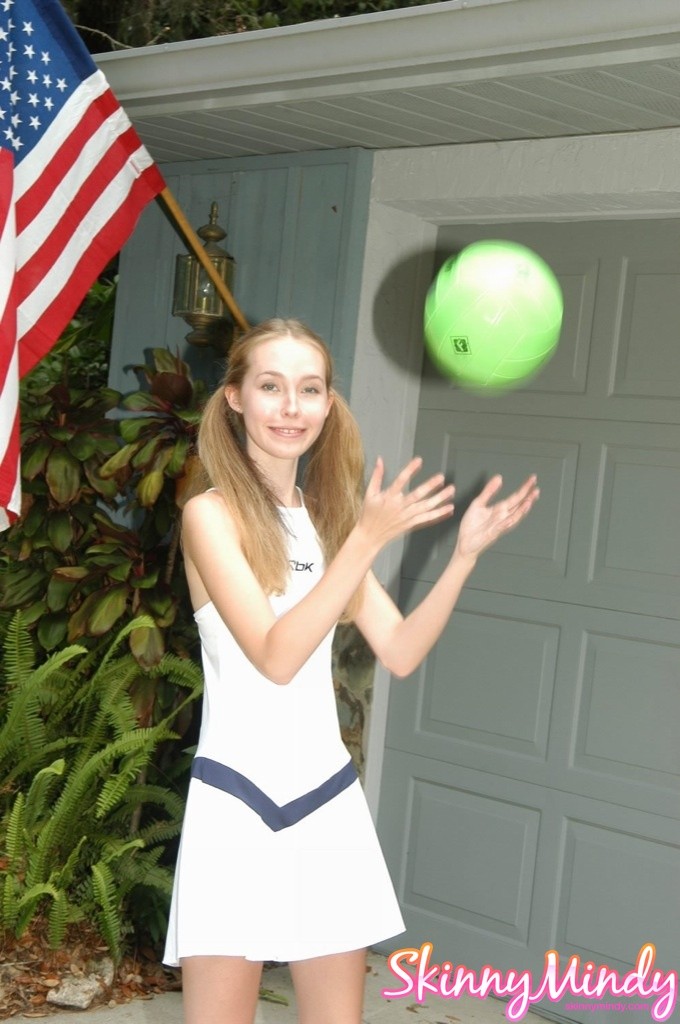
[75, 993]
[78, 991]
[103, 969]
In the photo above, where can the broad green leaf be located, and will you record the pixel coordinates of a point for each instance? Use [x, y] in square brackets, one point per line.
[142, 401]
[39, 413]
[52, 630]
[82, 446]
[118, 461]
[107, 548]
[166, 362]
[63, 476]
[121, 571]
[107, 488]
[21, 587]
[178, 457]
[164, 617]
[33, 612]
[107, 526]
[145, 582]
[105, 561]
[159, 603]
[33, 460]
[77, 623]
[167, 620]
[131, 428]
[107, 610]
[148, 646]
[107, 445]
[146, 453]
[71, 572]
[25, 550]
[191, 416]
[60, 530]
[107, 398]
[58, 593]
[149, 488]
[60, 433]
[116, 557]
[35, 520]
[151, 484]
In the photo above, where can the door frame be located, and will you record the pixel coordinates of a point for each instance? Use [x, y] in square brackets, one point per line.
[414, 191]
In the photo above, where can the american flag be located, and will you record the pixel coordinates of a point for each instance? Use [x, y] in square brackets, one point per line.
[81, 177]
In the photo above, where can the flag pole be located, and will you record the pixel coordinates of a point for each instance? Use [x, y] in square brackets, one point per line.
[194, 243]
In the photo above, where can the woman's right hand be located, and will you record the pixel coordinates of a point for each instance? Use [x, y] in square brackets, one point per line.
[393, 511]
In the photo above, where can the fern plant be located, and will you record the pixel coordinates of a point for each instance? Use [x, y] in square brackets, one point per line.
[82, 828]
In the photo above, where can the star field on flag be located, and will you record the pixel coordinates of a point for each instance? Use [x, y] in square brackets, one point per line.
[81, 177]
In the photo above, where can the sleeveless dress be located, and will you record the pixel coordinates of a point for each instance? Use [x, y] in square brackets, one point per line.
[279, 859]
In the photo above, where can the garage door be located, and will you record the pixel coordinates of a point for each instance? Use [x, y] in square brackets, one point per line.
[530, 796]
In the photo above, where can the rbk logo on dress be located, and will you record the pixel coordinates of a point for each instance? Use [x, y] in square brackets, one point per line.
[301, 566]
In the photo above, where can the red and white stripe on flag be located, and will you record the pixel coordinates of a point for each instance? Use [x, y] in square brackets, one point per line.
[81, 179]
[10, 484]
[78, 195]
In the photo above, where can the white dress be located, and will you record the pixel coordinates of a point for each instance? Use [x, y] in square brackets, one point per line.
[279, 859]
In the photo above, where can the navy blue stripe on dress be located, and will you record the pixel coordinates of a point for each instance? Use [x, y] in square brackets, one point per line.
[230, 781]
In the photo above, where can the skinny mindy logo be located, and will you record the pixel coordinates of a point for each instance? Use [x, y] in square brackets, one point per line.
[420, 977]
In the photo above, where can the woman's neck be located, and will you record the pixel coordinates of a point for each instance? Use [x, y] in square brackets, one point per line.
[281, 477]
[289, 499]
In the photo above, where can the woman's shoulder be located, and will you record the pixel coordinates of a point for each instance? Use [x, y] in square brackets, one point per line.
[206, 508]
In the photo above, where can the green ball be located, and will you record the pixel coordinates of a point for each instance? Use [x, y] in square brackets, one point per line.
[493, 315]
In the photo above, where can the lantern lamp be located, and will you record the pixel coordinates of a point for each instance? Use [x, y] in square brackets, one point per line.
[195, 297]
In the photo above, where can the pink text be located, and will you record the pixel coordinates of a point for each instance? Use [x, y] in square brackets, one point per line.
[420, 977]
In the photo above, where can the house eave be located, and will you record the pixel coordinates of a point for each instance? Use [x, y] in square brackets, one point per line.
[423, 44]
[255, 92]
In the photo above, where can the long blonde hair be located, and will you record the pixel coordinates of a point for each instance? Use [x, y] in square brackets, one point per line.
[332, 480]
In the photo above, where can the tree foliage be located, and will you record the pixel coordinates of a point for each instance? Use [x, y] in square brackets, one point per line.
[114, 24]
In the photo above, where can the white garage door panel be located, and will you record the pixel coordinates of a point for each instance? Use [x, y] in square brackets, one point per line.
[605, 529]
[567, 697]
[636, 542]
[484, 869]
[531, 789]
[452, 821]
[471, 448]
[647, 354]
[600, 863]
[500, 837]
[492, 651]
[629, 707]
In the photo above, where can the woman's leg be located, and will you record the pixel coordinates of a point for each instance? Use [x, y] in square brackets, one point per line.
[330, 989]
[220, 989]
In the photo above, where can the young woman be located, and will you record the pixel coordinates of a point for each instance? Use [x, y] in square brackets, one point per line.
[279, 858]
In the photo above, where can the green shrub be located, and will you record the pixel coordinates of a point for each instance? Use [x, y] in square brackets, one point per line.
[75, 763]
[91, 732]
[97, 542]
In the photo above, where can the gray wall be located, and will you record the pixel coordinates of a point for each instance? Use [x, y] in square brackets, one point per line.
[295, 225]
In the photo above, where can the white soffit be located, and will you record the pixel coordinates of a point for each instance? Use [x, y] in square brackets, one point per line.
[454, 72]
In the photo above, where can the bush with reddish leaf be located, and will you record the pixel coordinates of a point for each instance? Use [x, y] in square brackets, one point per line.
[97, 542]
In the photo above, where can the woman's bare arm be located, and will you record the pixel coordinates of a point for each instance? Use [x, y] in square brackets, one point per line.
[401, 643]
[278, 647]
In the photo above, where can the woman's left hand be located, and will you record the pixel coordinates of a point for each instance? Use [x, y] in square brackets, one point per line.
[483, 523]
